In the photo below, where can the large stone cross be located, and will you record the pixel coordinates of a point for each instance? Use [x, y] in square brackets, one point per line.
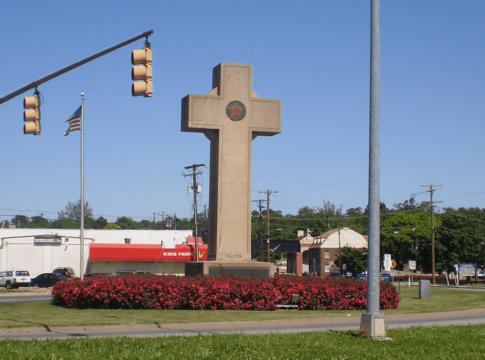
[230, 116]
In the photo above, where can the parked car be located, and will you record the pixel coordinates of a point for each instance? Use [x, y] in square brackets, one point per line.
[14, 279]
[131, 272]
[335, 274]
[47, 280]
[90, 275]
[66, 271]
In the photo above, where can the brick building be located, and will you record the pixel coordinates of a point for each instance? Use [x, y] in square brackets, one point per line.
[325, 248]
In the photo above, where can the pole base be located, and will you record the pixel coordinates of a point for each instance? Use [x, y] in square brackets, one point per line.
[373, 326]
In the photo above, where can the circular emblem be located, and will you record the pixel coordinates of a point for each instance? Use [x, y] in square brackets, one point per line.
[235, 110]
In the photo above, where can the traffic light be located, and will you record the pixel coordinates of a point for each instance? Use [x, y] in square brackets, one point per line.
[33, 114]
[143, 72]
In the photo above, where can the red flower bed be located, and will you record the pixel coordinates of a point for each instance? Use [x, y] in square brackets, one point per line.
[229, 293]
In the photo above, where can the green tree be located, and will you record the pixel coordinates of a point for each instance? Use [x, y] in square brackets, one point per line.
[73, 211]
[23, 220]
[99, 223]
[459, 235]
[355, 260]
[398, 239]
[127, 223]
[39, 222]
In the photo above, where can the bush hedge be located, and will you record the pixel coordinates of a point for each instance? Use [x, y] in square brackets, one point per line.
[218, 293]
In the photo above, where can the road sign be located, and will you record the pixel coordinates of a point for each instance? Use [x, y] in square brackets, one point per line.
[412, 265]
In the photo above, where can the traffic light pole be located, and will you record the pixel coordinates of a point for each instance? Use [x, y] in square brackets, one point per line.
[57, 73]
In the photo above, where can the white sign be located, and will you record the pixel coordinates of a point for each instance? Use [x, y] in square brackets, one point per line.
[387, 262]
[47, 240]
[412, 265]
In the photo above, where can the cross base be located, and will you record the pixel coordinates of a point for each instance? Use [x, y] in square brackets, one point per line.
[373, 326]
[229, 268]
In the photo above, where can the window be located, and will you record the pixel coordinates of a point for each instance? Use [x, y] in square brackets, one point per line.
[327, 254]
[22, 273]
[127, 241]
[327, 268]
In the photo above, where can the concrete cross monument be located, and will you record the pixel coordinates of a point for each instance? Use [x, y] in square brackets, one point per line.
[231, 115]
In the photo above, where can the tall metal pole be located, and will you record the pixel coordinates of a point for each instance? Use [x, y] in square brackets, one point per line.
[374, 159]
[372, 322]
[81, 272]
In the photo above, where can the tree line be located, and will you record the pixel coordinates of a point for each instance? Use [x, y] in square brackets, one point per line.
[70, 218]
[405, 229]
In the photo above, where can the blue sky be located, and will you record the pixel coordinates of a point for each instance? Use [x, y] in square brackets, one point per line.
[313, 55]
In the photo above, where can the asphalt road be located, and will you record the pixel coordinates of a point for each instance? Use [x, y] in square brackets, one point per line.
[15, 299]
[473, 317]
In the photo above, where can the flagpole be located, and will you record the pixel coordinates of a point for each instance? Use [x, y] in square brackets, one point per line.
[81, 272]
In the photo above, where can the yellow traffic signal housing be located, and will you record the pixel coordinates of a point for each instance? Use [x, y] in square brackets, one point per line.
[144, 72]
[32, 115]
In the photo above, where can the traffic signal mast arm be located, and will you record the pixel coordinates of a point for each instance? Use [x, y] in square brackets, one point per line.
[72, 66]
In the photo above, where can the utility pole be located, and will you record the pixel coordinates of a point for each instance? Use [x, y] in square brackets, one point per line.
[268, 193]
[431, 203]
[195, 188]
[260, 207]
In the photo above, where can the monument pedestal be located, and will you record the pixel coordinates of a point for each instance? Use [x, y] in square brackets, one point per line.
[230, 268]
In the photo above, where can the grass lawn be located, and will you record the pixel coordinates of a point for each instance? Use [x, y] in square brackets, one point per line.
[43, 313]
[460, 342]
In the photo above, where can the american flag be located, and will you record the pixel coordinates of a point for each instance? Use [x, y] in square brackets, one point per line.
[74, 122]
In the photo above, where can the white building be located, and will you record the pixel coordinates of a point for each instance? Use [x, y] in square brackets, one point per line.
[43, 250]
